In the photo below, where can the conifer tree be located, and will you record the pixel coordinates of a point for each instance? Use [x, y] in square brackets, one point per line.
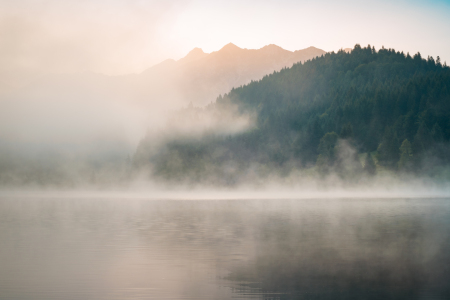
[388, 149]
[406, 156]
[346, 132]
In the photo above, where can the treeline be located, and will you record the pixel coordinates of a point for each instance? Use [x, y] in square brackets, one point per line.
[384, 109]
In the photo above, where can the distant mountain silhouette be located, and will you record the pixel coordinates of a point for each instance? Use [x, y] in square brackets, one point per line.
[134, 102]
[200, 77]
[194, 55]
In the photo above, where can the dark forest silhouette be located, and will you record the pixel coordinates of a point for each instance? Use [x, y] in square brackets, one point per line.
[384, 110]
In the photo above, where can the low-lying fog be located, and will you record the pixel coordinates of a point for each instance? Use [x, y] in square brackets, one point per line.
[73, 139]
[54, 135]
[90, 132]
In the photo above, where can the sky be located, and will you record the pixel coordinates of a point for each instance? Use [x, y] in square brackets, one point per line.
[117, 37]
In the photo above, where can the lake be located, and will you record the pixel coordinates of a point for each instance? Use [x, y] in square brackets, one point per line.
[101, 248]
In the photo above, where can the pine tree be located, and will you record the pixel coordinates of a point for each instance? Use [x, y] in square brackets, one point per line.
[406, 156]
[436, 133]
[422, 139]
[346, 132]
[388, 149]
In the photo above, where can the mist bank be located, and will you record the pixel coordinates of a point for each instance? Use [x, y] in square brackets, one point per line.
[297, 186]
[83, 128]
[359, 120]
[55, 107]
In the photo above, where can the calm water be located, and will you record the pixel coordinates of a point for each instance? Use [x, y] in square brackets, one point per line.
[279, 249]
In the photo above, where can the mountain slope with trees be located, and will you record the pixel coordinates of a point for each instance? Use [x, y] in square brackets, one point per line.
[385, 109]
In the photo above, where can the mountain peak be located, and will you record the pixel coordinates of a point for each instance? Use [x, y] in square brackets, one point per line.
[194, 54]
[272, 48]
[230, 47]
[309, 49]
[195, 51]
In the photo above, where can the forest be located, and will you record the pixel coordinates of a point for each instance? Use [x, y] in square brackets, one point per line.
[362, 112]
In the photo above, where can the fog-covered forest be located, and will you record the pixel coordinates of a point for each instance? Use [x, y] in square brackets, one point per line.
[366, 112]
[356, 116]
[71, 130]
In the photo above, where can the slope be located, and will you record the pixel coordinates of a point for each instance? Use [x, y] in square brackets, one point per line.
[391, 108]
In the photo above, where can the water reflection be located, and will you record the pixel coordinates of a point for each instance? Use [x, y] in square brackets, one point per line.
[296, 249]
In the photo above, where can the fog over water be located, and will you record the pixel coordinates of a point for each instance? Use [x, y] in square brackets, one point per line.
[127, 248]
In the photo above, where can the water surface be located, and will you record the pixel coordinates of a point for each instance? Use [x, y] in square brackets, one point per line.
[68, 248]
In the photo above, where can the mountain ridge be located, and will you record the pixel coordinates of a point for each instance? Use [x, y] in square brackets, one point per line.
[200, 77]
[197, 54]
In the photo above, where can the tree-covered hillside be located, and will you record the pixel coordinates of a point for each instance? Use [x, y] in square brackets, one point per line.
[385, 109]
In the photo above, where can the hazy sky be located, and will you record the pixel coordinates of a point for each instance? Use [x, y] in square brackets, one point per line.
[123, 36]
